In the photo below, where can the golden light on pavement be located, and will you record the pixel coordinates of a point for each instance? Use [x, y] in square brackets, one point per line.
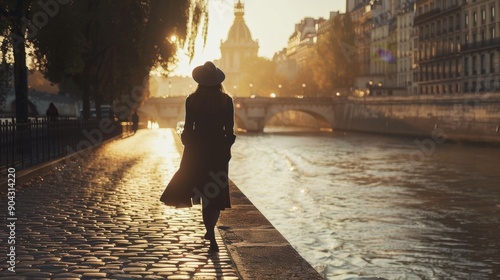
[153, 125]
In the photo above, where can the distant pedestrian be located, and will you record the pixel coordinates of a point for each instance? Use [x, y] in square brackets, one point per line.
[135, 122]
[207, 137]
[52, 113]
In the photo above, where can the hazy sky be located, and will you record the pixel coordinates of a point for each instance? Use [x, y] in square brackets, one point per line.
[270, 21]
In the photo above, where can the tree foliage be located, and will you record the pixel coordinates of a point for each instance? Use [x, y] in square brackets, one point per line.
[5, 70]
[332, 61]
[14, 15]
[261, 73]
[107, 48]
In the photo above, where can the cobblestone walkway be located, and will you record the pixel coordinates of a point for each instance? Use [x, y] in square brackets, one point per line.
[102, 219]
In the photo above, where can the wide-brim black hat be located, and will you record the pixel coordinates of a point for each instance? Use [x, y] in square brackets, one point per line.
[208, 74]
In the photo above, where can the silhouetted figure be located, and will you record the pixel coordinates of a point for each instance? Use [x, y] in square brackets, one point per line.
[135, 122]
[52, 113]
[207, 137]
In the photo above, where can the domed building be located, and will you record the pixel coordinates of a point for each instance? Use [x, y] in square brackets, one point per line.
[239, 44]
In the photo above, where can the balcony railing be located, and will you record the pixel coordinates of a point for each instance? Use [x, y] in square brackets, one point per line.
[480, 45]
[426, 15]
[435, 12]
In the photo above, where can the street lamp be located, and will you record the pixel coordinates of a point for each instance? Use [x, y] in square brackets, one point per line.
[379, 92]
[369, 85]
[251, 86]
[279, 89]
[303, 89]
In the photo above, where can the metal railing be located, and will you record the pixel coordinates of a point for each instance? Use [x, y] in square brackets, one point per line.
[40, 139]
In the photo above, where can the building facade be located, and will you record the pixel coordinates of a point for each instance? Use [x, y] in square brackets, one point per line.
[238, 46]
[459, 48]
[439, 41]
[480, 46]
[362, 17]
[300, 45]
[405, 48]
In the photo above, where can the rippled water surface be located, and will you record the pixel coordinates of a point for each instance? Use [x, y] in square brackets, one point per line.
[358, 206]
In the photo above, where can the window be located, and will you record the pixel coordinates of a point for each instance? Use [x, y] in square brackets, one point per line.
[492, 34]
[492, 13]
[466, 87]
[474, 68]
[474, 86]
[482, 86]
[492, 62]
[466, 20]
[475, 18]
[451, 24]
[483, 16]
[466, 66]
[483, 66]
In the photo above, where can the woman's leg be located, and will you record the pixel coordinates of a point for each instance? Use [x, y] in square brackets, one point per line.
[210, 218]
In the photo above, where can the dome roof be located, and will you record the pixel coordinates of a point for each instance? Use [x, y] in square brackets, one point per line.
[239, 32]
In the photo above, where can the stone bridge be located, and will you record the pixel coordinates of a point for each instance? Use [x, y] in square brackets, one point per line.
[251, 114]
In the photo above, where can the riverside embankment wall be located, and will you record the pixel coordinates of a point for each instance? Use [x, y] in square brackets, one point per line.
[471, 118]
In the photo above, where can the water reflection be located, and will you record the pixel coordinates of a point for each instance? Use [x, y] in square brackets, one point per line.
[359, 206]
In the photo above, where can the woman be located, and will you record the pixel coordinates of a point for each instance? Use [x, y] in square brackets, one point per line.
[207, 137]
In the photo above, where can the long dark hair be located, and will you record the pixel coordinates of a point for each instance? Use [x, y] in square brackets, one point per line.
[209, 99]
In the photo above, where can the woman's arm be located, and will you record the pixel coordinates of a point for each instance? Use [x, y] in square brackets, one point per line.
[229, 122]
[188, 123]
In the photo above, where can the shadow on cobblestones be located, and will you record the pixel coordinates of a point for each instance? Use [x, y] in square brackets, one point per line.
[104, 219]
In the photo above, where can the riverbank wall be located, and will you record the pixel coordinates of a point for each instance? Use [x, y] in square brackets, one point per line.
[471, 118]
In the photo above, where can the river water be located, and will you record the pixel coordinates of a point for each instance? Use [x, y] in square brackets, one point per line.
[358, 206]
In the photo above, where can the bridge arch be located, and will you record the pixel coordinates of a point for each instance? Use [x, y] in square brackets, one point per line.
[255, 113]
[251, 114]
[239, 122]
[321, 121]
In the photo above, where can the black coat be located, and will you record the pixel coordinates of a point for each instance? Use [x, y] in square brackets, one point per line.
[207, 138]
